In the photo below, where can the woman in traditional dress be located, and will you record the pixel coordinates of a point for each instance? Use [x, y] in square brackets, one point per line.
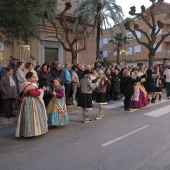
[101, 97]
[139, 98]
[32, 119]
[60, 116]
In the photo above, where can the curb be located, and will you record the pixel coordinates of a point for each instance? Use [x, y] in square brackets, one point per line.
[4, 121]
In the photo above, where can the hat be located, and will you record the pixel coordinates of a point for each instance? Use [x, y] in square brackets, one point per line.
[14, 59]
[86, 72]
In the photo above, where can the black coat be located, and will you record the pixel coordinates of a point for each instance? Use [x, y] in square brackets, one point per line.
[45, 79]
[108, 86]
[115, 83]
[149, 84]
[127, 85]
[57, 74]
[80, 74]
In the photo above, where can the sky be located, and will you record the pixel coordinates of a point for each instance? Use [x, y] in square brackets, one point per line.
[126, 4]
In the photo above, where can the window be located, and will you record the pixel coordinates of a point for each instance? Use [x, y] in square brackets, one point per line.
[1, 46]
[138, 34]
[110, 51]
[101, 54]
[105, 41]
[159, 49]
[105, 54]
[129, 51]
[25, 53]
[129, 36]
[101, 43]
[115, 53]
[137, 49]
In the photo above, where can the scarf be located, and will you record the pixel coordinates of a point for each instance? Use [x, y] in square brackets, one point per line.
[29, 86]
[12, 82]
[45, 72]
[142, 89]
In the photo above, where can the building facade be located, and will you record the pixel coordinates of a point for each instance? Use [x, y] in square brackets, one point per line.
[48, 49]
[134, 53]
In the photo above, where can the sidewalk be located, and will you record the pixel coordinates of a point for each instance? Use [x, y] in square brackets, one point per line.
[10, 121]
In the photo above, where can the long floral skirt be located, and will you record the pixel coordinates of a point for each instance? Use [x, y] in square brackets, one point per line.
[32, 119]
[55, 119]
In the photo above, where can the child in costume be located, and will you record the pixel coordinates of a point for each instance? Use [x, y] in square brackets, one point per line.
[60, 116]
[101, 97]
[159, 82]
[85, 97]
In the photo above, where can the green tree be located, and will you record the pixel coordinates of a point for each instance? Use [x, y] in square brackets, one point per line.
[110, 13]
[150, 41]
[20, 19]
[120, 41]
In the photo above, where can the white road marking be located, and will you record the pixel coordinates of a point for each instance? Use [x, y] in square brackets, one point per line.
[159, 112]
[124, 136]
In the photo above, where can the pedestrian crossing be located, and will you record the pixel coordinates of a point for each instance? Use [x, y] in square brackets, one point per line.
[154, 113]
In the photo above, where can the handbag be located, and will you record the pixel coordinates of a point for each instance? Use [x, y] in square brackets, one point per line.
[51, 108]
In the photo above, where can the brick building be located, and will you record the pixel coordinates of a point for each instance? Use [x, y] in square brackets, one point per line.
[134, 53]
[48, 49]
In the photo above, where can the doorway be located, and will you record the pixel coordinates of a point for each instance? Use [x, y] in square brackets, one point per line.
[51, 55]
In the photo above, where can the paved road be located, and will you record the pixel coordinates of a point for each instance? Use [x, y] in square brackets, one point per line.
[136, 140]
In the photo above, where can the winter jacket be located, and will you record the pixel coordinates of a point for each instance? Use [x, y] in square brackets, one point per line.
[67, 76]
[7, 90]
[20, 77]
[127, 86]
[87, 86]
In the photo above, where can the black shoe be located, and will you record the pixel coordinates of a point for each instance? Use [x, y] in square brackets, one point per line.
[12, 115]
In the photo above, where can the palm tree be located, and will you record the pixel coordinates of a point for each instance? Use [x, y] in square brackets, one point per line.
[120, 41]
[110, 13]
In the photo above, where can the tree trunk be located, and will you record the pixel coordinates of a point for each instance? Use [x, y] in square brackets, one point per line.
[118, 55]
[151, 59]
[98, 42]
[74, 58]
